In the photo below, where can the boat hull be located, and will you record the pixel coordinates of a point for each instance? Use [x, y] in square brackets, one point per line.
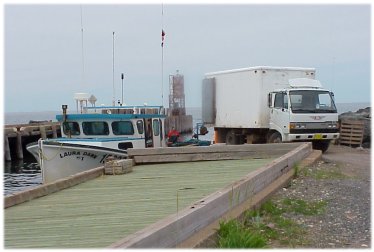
[59, 160]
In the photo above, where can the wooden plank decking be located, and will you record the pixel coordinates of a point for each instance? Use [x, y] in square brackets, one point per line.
[97, 213]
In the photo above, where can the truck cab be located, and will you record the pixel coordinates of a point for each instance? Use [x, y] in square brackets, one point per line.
[303, 112]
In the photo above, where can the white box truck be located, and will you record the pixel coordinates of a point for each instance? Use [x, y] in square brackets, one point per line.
[269, 104]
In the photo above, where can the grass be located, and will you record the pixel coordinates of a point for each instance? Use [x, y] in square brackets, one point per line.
[233, 234]
[303, 207]
[296, 170]
[319, 173]
[268, 225]
[328, 174]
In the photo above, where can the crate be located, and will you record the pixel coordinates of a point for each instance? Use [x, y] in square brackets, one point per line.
[351, 132]
[117, 167]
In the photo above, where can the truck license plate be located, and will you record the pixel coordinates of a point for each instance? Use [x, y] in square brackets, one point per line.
[317, 136]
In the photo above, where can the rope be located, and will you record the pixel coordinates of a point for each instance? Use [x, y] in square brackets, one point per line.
[49, 159]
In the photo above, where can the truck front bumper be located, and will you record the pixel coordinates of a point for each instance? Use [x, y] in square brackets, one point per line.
[310, 137]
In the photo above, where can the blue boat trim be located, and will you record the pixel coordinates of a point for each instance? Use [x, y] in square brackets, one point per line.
[99, 148]
[112, 139]
[108, 116]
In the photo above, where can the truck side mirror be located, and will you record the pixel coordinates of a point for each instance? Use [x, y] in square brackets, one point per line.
[332, 95]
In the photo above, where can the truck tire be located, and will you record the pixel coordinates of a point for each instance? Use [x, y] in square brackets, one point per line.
[321, 145]
[275, 138]
[231, 138]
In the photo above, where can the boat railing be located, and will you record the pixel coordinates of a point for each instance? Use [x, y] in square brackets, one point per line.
[157, 110]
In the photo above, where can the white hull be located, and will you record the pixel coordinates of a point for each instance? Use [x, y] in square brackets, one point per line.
[60, 160]
[89, 137]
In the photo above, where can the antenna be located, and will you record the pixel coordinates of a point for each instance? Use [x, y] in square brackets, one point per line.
[114, 94]
[162, 54]
[82, 47]
[122, 77]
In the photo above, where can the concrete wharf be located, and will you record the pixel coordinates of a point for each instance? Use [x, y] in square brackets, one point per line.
[156, 205]
[17, 136]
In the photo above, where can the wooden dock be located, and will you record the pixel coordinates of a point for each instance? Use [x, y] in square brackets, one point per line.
[156, 205]
[99, 212]
[16, 137]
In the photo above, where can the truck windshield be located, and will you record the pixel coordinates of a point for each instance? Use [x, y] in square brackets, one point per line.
[312, 101]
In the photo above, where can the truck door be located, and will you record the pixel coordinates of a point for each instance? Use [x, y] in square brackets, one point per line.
[279, 113]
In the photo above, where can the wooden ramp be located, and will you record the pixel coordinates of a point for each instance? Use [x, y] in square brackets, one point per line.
[99, 212]
[156, 205]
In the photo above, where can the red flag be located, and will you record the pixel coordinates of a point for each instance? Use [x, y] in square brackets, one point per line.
[162, 38]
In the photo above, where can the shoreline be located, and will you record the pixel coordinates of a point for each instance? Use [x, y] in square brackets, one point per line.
[25, 117]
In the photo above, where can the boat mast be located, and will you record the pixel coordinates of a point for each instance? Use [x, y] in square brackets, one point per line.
[162, 54]
[82, 47]
[114, 94]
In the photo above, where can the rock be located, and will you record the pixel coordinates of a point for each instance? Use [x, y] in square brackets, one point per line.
[271, 225]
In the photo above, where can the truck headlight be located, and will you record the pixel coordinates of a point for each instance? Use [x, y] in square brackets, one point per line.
[297, 126]
[333, 125]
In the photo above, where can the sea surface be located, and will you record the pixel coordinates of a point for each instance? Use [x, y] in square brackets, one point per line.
[21, 175]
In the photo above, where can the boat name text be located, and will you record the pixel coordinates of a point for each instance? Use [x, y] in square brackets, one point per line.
[77, 153]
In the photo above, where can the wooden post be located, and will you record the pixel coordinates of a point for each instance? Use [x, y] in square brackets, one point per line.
[43, 132]
[19, 150]
[8, 157]
[54, 130]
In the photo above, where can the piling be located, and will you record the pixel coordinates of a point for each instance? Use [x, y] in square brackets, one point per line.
[7, 155]
[16, 137]
[54, 131]
[19, 149]
[43, 132]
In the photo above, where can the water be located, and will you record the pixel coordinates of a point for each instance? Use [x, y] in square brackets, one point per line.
[21, 175]
[26, 117]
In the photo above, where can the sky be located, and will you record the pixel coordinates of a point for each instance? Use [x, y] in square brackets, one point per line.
[44, 67]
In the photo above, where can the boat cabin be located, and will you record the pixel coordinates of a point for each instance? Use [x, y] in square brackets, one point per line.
[120, 127]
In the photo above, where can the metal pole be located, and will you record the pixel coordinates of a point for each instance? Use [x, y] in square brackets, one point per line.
[114, 95]
[122, 76]
[162, 55]
[83, 81]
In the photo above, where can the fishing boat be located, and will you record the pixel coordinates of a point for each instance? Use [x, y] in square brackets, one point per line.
[92, 135]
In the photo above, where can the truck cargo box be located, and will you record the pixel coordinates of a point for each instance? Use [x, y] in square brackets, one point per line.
[238, 98]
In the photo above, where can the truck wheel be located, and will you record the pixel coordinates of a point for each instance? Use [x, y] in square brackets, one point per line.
[231, 138]
[321, 145]
[275, 138]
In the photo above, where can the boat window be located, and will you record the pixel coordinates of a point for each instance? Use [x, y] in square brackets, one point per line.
[125, 145]
[122, 128]
[140, 126]
[71, 128]
[95, 128]
[156, 127]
